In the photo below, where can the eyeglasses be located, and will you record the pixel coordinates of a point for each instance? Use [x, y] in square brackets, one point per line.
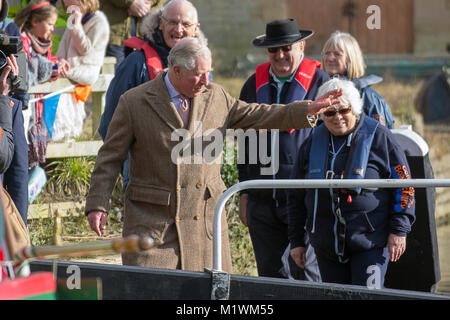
[174, 23]
[332, 113]
[284, 48]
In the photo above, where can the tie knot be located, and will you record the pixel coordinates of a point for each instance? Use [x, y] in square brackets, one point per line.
[184, 102]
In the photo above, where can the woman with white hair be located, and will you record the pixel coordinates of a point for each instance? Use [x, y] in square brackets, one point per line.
[342, 57]
[351, 230]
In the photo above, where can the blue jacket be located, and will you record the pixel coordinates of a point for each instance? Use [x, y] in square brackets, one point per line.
[370, 216]
[6, 134]
[129, 74]
[15, 179]
[374, 105]
[289, 143]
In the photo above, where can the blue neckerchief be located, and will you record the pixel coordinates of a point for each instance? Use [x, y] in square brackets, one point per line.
[87, 17]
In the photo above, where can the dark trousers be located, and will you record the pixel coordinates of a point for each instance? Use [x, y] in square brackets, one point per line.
[267, 225]
[359, 270]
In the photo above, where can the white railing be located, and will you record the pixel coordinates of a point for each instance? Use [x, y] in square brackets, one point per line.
[312, 184]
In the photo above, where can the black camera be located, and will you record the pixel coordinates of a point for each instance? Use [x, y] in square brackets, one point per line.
[14, 45]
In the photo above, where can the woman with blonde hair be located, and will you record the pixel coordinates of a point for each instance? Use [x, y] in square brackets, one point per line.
[82, 50]
[342, 56]
[84, 41]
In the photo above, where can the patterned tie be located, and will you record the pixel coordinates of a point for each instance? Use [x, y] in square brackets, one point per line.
[183, 110]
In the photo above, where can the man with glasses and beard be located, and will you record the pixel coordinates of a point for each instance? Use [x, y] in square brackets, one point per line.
[286, 77]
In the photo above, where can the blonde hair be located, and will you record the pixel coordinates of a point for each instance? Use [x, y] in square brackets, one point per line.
[90, 6]
[354, 59]
[25, 15]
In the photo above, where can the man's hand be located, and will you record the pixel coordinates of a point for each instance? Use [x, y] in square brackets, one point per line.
[324, 102]
[139, 8]
[243, 208]
[97, 221]
[298, 254]
[5, 82]
[396, 246]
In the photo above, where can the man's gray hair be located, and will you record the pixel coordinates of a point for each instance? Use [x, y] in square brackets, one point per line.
[186, 52]
[350, 95]
[171, 2]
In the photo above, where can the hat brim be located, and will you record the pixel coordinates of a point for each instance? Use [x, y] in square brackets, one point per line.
[262, 42]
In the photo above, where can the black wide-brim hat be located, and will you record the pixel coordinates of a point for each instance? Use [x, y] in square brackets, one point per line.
[281, 33]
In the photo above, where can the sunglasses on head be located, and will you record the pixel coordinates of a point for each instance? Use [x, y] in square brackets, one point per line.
[332, 113]
[284, 48]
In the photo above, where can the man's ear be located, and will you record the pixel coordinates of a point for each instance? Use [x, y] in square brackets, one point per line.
[177, 70]
[302, 45]
[160, 22]
[196, 28]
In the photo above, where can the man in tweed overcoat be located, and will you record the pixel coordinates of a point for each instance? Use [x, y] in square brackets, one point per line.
[169, 201]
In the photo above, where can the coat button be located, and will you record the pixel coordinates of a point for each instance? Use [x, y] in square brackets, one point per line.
[199, 185]
[177, 219]
[197, 217]
[178, 188]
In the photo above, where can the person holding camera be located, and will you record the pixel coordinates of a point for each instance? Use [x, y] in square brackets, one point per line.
[15, 178]
[6, 133]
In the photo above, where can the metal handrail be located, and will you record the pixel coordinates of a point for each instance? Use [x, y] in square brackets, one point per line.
[314, 184]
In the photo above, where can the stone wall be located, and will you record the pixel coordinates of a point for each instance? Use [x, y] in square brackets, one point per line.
[407, 27]
[231, 25]
[431, 27]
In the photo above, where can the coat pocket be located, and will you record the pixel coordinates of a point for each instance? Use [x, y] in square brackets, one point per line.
[147, 211]
[148, 193]
[213, 192]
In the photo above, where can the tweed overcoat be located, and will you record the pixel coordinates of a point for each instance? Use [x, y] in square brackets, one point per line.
[169, 201]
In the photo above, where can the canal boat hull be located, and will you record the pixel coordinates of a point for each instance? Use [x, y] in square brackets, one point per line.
[139, 283]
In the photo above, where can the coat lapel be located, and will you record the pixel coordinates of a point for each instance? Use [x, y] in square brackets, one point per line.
[159, 100]
[199, 106]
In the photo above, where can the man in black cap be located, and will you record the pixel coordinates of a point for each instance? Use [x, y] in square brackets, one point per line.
[286, 77]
